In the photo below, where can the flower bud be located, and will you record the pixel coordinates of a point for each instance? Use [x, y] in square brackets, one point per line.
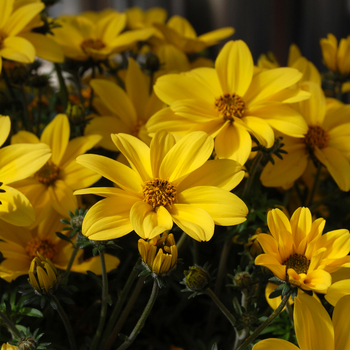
[159, 254]
[242, 279]
[27, 343]
[75, 113]
[253, 246]
[42, 275]
[196, 278]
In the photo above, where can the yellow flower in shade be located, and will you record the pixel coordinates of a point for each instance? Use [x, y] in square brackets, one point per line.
[230, 102]
[17, 162]
[138, 18]
[168, 182]
[325, 140]
[42, 274]
[335, 57]
[180, 33]
[20, 246]
[51, 188]
[314, 328]
[159, 254]
[295, 60]
[123, 111]
[296, 251]
[96, 36]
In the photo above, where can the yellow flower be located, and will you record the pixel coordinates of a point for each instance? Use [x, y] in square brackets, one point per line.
[128, 111]
[20, 245]
[314, 328]
[335, 57]
[159, 254]
[17, 162]
[168, 182]
[42, 274]
[325, 139]
[8, 346]
[17, 43]
[230, 102]
[180, 33]
[88, 36]
[137, 18]
[51, 188]
[297, 252]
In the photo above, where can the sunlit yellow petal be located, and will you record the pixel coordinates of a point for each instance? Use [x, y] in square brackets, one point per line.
[275, 344]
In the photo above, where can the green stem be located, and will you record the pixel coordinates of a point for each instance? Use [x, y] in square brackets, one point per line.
[140, 323]
[195, 252]
[10, 325]
[221, 306]
[92, 90]
[8, 84]
[66, 323]
[315, 185]
[252, 172]
[104, 302]
[118, 306]
[63, 87]
[181, 241]
[267, 322]
[72, 258]
[125, 313]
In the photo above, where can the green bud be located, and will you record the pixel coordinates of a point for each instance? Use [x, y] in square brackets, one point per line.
[242, 279]
[75, 113]
[196, 278]
[27, 343]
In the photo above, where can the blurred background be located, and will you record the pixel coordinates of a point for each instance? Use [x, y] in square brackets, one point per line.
[265, 25]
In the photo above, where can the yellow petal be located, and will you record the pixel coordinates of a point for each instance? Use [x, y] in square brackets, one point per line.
[341, 324]
[17, 49]
[148, 222]
[278, 221]
[6, 8]
[94, 264]
[235, 66]
[261, 129]
[275, 344]
[136, 152]
[24, 137]
[109, 218]
[213, 37]
[313, 326]
[224, 207]
[272, 264]
[110, 26]
[194, 221]
[118, 173]
[338, 290]
[62, 198]
[301, 222]
[5, 127]
[191, 152]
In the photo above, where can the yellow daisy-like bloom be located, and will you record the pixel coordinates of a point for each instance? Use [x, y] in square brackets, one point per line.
[159, 254]
[325, 139]
[230, 102]
[314, 328]
[297, 252]
[20, 246]
[179, 32]
[87, 36]
[168, 182]
[51, 188]
[17, 162]
[123, 111]
[335, 57]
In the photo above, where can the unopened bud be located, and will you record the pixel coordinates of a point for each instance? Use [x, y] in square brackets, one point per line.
[196, 278]
[242, 279]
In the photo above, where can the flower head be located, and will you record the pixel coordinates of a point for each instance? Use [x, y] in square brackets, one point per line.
[168, 182]
[298, 252]
[159, 254]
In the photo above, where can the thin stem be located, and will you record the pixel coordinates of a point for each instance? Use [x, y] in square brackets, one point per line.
[92, 90]
[252, 172]
[118, 306]
[195, 252]
[63, 87]
[125, 313]
[221, 306]
[10, 325]
[103, 315]
[8, 84]
[71, 260]
[66, 323]
[315, 185]
[267, 322]
[181, 241]
[140, 323]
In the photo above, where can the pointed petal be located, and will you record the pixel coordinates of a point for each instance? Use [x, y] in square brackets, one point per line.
[17, 49]
[341, 324]
[5, 127]
[24, 137]
[62, 198]
[278, 221]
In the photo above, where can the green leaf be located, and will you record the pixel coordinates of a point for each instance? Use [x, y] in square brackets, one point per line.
[63, 237]
[30, 311]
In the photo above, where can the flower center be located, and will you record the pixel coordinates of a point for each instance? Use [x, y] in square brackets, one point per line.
[316, 137]
[95, 44]
[229, 106]
[159, 192]
[298, 263]
[48, 174]
[137, 127]
[44, 246]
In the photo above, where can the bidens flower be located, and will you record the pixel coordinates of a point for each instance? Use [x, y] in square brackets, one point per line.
[42, 275]
[298, 252]
[168, 182]
[159, 254]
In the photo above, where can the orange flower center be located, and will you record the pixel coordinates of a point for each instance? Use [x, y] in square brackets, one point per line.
[316, 137]
[298, 263]
[95, 44]
[44, 246]
[48, 174]
[230, 106]
[159, 192]
[137, 127]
